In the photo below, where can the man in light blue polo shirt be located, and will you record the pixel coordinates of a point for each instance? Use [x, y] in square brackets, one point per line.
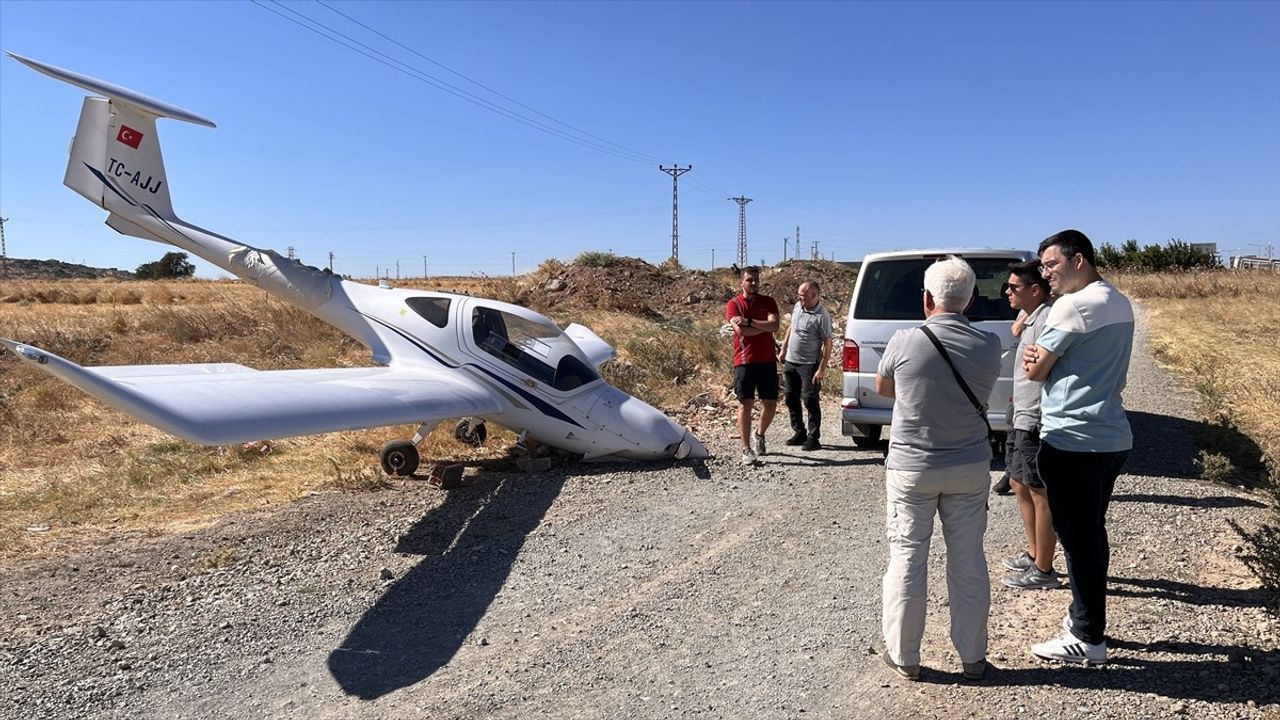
[1082, 355]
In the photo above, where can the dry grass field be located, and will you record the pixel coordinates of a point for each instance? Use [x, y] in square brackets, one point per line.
[1219, 330]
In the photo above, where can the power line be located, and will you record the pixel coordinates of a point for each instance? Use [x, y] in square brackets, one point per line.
[480, 84]
[404, 68]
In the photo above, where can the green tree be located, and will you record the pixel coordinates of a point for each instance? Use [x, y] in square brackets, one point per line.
[172, 265]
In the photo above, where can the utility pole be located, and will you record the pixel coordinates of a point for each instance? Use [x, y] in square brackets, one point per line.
[675, 171]
[784, 248]
[513, 264]
[330, 261]
[813, 251]
[713, 258]
[292, 255]
[4, 255]
[424, 267]
[742, 229]
[397, 270]
[797, 241]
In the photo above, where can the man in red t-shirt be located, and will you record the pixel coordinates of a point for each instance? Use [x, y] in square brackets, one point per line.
[754, 318]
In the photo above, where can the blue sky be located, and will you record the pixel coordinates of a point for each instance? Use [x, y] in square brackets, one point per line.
[871, 126]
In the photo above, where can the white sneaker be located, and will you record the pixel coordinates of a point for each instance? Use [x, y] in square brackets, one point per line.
[1068, 648]
[759, 443]
[748, 457]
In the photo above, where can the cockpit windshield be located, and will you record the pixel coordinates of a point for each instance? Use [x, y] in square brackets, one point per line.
[538, 349]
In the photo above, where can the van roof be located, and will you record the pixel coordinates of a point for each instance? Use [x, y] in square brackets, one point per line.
[943, 252]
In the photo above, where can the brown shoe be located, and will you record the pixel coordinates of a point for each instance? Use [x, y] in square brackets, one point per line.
[906, 672]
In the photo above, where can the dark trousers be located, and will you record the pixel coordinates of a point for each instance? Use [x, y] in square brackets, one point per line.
[1079, 486]
[800, 386]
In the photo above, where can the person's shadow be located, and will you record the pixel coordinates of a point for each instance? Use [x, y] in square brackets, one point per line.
[468, 545]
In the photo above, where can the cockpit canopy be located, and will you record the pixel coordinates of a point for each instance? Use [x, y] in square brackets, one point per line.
[538, 349]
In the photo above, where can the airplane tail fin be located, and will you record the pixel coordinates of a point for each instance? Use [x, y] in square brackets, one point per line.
[115, 156]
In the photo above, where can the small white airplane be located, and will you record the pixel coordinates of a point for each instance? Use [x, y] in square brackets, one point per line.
[441, 355]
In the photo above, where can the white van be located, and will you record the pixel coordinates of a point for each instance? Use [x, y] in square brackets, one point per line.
[888, 297]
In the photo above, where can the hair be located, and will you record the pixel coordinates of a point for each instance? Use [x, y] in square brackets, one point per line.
[812, 284]
[1069, 243]
[1029, 273]
[750, 270]
[951, 282]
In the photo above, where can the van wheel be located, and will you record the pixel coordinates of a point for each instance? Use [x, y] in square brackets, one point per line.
[871, 436]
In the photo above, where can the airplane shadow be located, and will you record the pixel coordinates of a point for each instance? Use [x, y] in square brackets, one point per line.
[468, 545]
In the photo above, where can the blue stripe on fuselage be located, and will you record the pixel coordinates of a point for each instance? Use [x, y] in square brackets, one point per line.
[543, 406]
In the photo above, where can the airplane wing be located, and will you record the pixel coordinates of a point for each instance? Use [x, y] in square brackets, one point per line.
[224, 403]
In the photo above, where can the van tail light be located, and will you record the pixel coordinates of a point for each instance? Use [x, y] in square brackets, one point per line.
[850, 355]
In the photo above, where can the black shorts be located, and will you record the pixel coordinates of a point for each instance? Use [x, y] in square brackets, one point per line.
[1020, 451]
[756, 378]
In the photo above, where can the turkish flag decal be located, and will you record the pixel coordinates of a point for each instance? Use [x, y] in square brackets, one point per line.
[129, 136]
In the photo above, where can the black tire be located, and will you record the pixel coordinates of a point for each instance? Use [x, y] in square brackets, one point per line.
[399, 458]
[468, 434]
[872, 438]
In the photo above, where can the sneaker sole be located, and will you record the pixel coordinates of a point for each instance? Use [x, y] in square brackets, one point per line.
[1071, 660]
[1013, 586]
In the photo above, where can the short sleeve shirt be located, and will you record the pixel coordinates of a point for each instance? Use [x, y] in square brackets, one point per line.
[756, 348]
[1026, 392]
[1091, 333]
[809, 329]
[934, 424]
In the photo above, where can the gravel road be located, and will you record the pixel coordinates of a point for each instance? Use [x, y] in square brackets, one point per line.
[654, 591]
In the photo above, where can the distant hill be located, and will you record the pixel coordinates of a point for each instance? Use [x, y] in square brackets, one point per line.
[19, 269]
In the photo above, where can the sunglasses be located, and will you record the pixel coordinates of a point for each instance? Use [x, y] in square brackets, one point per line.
[1006, 287]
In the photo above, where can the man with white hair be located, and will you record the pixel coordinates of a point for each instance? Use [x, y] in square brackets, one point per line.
[938, 462]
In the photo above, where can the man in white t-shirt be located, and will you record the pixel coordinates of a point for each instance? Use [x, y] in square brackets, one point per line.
[1082, 355]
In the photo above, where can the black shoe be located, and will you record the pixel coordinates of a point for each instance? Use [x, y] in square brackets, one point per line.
[1002, 486]
[798, 439]
[811, 444]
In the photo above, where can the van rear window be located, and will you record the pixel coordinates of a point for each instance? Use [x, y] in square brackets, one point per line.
[893, 290]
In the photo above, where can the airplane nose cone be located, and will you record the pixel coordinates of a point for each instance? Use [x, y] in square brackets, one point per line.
[632, 428]
[690, 447]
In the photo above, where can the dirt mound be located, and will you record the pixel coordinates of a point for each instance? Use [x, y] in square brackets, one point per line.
[666, 292]
[19, 269]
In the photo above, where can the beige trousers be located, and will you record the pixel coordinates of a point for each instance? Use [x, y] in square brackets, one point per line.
[958, 495]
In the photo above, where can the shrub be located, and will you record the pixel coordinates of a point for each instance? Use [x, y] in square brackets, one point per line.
[593, 258]
[172, 265]
[1175, 255]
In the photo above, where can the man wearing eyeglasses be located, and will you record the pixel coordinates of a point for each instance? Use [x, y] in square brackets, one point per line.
[1028, 292]
[1082, 355]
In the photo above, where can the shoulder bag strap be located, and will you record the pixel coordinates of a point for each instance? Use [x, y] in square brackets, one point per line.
[982, 411]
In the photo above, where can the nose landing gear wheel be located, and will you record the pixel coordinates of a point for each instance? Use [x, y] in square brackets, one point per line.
[399, 458]
[471, 433]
